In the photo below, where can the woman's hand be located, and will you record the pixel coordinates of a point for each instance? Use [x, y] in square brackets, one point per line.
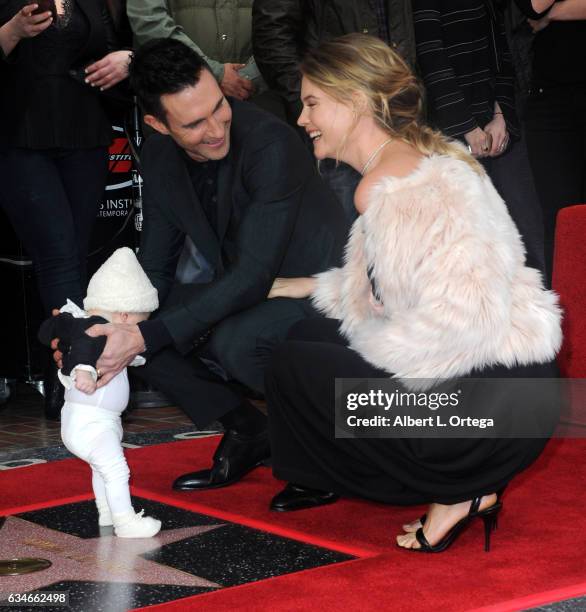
[539, 24]
[23, 25]
[479, 142]
[292, 287]
[109, 71]
[497, 129]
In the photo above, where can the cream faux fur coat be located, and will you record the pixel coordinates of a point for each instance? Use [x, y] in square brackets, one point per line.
[450, 272]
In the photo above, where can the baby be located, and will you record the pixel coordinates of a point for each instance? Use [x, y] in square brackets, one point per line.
[91, 428]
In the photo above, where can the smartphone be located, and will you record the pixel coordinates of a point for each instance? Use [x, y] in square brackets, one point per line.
[44, 6]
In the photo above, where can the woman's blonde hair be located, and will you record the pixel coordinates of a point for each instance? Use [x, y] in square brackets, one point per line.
[358, 62]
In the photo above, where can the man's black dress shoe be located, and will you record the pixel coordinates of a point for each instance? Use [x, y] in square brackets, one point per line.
[236, 455]
[294, 497]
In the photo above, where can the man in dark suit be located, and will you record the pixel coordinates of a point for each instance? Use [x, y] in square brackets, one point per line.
[238, 184]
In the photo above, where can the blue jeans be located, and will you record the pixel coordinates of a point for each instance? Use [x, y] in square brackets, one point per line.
[51, 198]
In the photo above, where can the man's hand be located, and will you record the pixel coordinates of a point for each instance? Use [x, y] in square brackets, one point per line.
[497, 129]
[233, 84]
[84, 382]
[292, 287]
[479, 142]
[124, 343]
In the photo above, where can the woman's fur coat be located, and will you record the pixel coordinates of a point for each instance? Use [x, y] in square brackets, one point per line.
[455, 294]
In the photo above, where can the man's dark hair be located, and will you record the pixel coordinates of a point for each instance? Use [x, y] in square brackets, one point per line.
[163, 66]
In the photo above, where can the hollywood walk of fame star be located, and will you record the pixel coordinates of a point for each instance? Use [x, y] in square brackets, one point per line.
[103, 559]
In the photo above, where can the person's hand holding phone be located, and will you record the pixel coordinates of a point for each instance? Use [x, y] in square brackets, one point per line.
[27, 23]
[44, 6]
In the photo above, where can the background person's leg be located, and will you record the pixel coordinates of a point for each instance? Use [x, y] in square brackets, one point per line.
[84, 173]
[37, 204]
[556, 143]
[513, 178]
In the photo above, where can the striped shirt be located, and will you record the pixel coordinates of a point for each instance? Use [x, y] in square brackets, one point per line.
[379, 7]
[465, 62]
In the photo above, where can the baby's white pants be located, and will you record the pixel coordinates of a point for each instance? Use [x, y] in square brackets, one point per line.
[91, 429]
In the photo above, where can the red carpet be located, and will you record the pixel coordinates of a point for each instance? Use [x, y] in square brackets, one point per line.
[538, 551]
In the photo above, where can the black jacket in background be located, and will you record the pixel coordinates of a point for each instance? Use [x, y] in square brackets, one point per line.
[282, 30]
[275, 217]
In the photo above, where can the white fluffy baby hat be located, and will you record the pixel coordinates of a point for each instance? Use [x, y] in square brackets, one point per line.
[121, 285]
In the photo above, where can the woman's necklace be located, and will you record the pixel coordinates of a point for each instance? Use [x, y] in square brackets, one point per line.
[374, 154]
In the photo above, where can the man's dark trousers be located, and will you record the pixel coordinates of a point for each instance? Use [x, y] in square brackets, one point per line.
[241, 345]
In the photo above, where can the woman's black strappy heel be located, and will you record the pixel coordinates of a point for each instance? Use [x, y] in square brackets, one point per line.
[499, 494]
[488, 515]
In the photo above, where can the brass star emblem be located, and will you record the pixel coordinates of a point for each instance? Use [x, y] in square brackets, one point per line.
[103, 559]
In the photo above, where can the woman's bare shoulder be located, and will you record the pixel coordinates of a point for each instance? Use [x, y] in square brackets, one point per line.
[391, 166]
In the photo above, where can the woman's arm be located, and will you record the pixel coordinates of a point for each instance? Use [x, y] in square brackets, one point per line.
[534, 9]
[292, 287]
[539, 6]
[569, 10]
[110, 70]
[113, 67]
[23, 25]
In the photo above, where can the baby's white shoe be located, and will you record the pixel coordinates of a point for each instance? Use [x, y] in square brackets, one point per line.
[131, 525]
[104, 514]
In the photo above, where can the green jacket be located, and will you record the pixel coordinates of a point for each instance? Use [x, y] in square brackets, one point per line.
[219, 30]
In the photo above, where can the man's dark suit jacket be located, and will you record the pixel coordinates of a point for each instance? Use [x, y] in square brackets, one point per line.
[276, 218]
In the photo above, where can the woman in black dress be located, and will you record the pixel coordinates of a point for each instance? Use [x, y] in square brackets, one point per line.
[54, 138]
[434, 287]
[556, 108]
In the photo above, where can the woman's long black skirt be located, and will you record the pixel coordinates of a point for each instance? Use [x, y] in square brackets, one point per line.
[403, 471]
